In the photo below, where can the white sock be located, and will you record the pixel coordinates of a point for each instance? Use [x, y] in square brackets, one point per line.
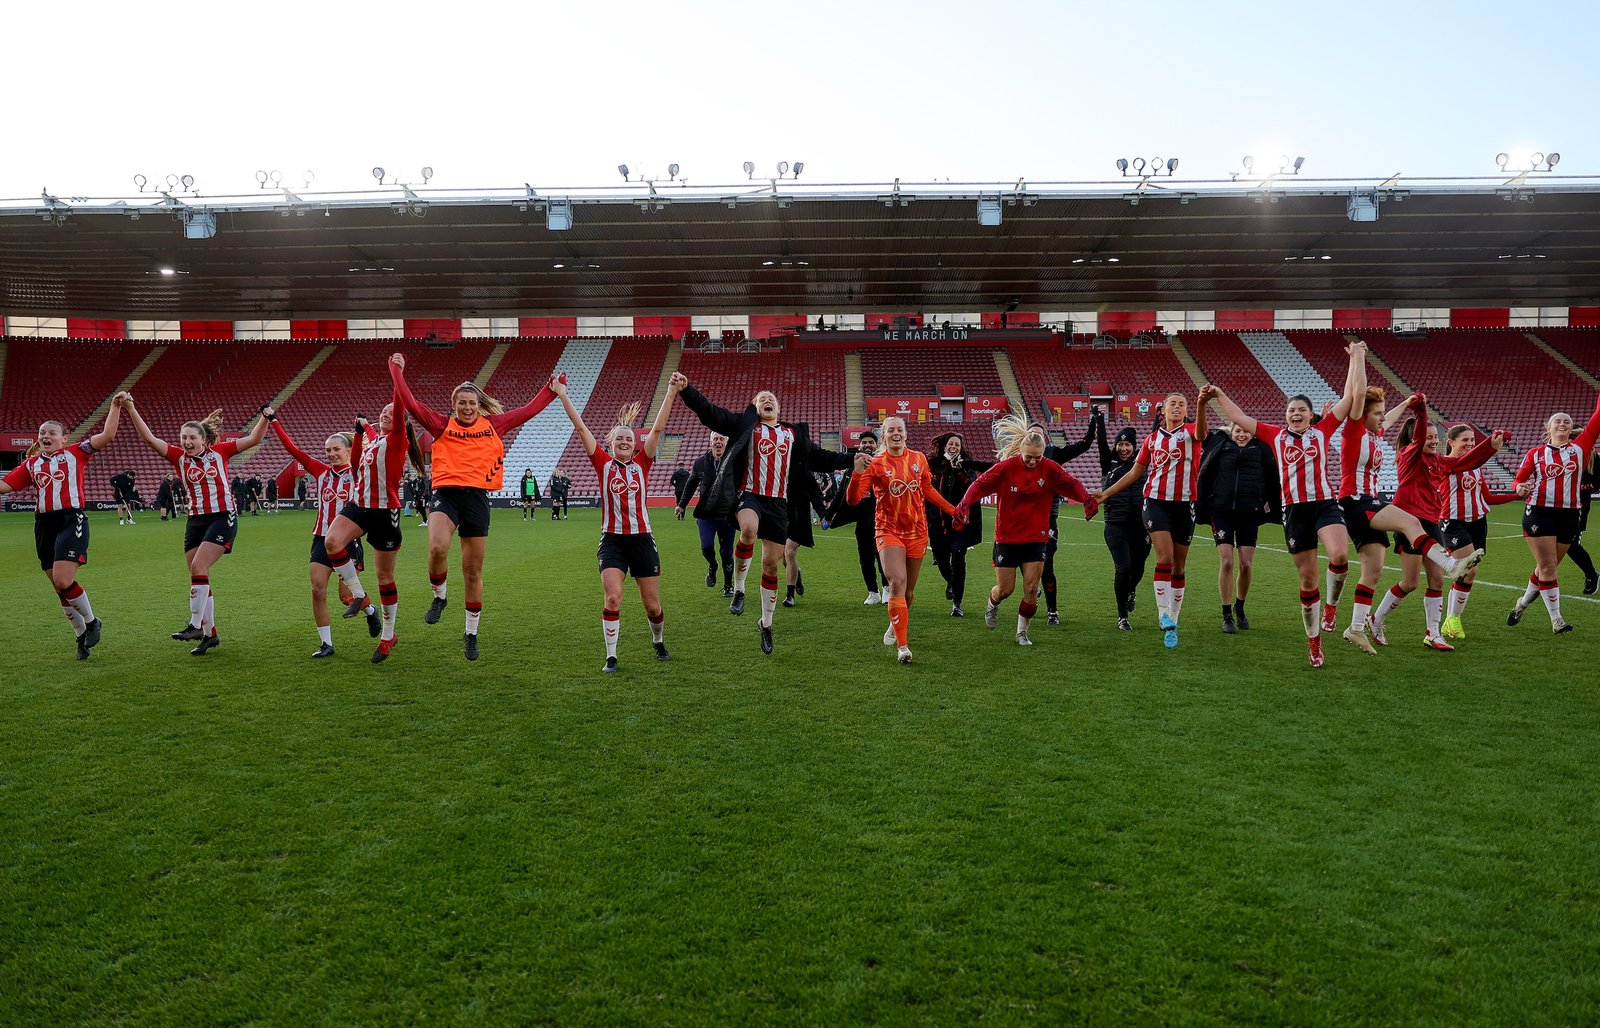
[439, 590]
[1175, 600]
[80, 603]
[1390, 601]
[76, 619]
[1529, 593]
[1335, 585]
[1359, 613]
[1163, 589]
[388, 621]
[741, 571]
[325, 633]
[611, 627]
[369, 609]
[658, 628]
[351, 579]
[1312, 617]
[208, 620]
[1552, 601]
[1440, 556]
[1458, 601]
[769, 603]
[472, 620]
[1432, 607]
[198, 596]
[1023, 623]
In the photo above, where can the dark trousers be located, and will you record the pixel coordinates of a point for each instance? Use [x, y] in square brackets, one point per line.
[1048, 582]
[1130, 547]
[718, 531]
[867, 554]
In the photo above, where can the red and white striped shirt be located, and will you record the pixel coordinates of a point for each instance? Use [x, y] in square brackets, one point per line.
[1555, 472]
[767, 473]
[205, 478]
[380, 461]
[334, 487]
[58, 477]
[622, 492]
[1302, 460]
[1174, 462]
[1360, 460]
[1467, 497]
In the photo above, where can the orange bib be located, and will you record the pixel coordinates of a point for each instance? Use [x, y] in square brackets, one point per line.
[471, 456]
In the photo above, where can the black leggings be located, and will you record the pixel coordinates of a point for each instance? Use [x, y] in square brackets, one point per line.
[952, 564]
[867, 554]
[1130, 547]
[1576, 553]
[1049, 579]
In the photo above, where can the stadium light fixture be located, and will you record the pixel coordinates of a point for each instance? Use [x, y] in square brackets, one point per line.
[622, 169]
[783, 168]
[427, 173]
[378, 174]
[558, 215]
[140, 180]
[799, 166]
[1147, 168]
[750, 169]
[989, 211]
[168, 272]
[1122, 165]
[672, 172]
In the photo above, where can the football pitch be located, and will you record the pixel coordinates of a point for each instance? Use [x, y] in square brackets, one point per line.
[1093, 829]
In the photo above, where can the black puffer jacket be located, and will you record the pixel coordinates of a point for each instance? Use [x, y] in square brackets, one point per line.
[1234, 477]
[724, 495]
[702, 475]
[952, 482]
[1127, 507]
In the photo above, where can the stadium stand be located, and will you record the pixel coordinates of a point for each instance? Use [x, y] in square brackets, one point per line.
[1581, 346]
[191, 379]
[1496, 377]
[38, 387]
[1226, 360]
[523, 371]
[541, 442]
[631, 368]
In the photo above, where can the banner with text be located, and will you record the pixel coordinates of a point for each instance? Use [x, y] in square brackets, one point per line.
[915, 409]
[987, 407]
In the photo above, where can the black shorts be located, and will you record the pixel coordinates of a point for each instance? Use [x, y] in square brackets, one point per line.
[1545, 522]
[1457, 534]
[1358, 514]
[1235, 527]
[61, 535]
[381, 525]
[467, 507]
[1302, 522]
[773, 526]
[1014, 555]
[211, 528]
[635, 553]
[319, 553]
[124, 495]
[1175, 517]
[1429, 529]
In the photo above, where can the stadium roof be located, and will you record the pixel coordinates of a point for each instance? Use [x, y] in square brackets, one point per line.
[783, 249]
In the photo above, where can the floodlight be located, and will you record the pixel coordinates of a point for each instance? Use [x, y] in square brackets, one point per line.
[1172, 165]
[1554, 159]
[558, 216]
[750, 168]
[427, 173]
[188, 181]
[1536, 159]
[800, 166]
[622, 169]
[1298, 161]
[1138, 165]
[1122, 165]
[1502, 159]
[672, 171]
[140, 180]
[1249, 163]
[783, 168]
[378, 173]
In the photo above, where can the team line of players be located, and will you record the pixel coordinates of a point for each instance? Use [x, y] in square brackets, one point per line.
[1439, 513]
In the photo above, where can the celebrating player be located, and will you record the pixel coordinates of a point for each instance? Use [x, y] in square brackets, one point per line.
[1026, 483]
[60, 528]
[373, 511]
[1125, 535]
[1422, 468]
[1171, 455]
[863, 516]
[753, 484]
[902, 485]
[1554, 472]
[468, 464]
[1465, 527]
[716, 534]
[1059, 454]
[1310, 511]
[626, 545]
[332, 485]
[201, 463]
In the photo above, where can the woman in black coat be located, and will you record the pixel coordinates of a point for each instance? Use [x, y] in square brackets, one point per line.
[953, 471]
[1125, 533]
[1238, 490]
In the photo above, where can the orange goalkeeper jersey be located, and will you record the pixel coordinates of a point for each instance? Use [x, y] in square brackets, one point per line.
[902, 485]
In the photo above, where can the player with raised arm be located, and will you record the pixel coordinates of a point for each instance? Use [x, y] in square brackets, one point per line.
[332, 486]
[1422, 469]
[1169, 465]
[753, 485]
[1465, 527]
[54, 469]
[1026, 483]
[201, 462]
[716, 534]
[626, 545]
[902, 484]
[469, 458]
[1311, 511]
[1553, 471]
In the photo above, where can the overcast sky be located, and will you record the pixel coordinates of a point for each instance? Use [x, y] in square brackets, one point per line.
[493, 94]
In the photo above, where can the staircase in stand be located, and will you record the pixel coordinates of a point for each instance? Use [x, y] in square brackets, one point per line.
[96, 415]
[855, 397]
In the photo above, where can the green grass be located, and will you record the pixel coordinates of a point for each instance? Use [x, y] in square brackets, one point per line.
[1093, 829]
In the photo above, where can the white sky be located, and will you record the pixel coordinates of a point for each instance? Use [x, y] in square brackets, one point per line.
[495, 94]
